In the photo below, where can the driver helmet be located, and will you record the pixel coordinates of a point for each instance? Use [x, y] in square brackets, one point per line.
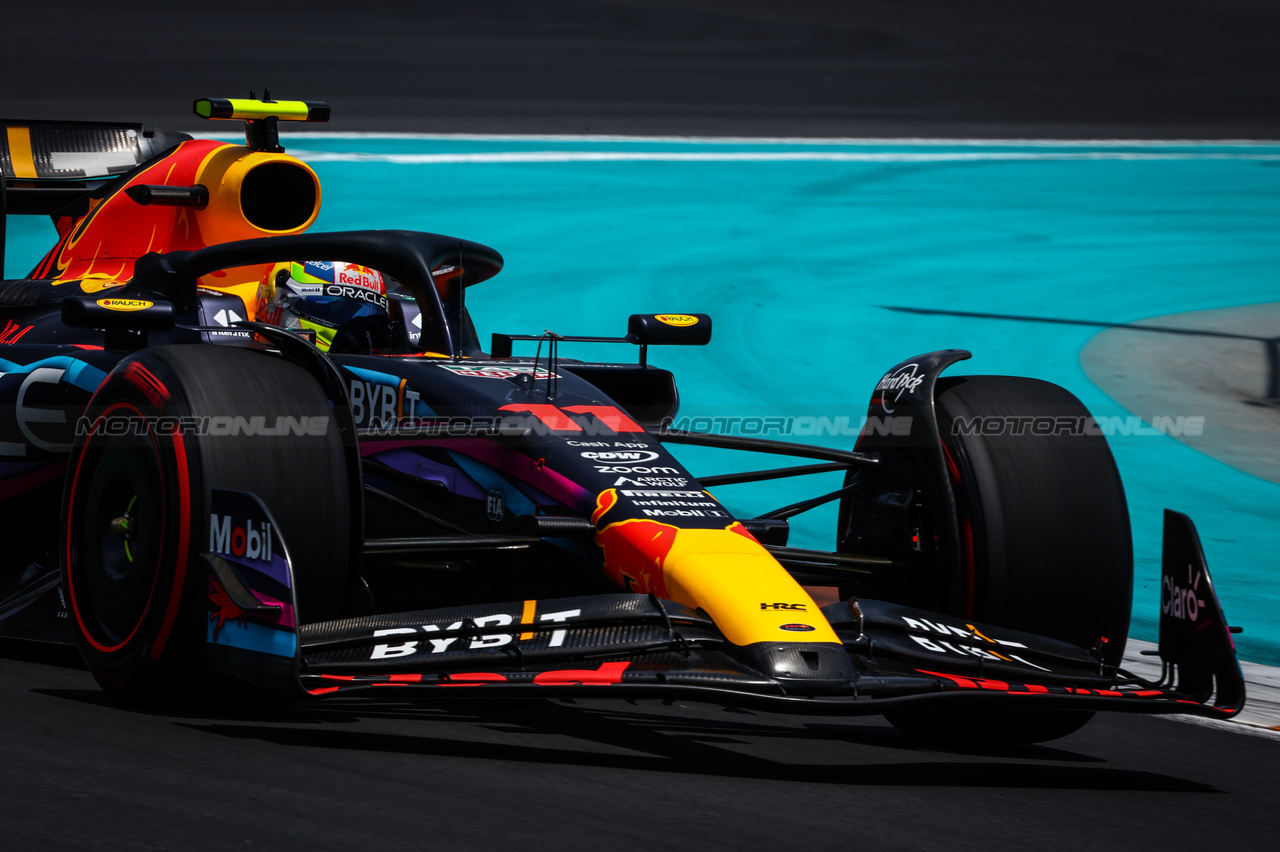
[320, 296]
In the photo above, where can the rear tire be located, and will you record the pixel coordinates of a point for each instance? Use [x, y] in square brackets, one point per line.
[1046, 539]
[137, 502]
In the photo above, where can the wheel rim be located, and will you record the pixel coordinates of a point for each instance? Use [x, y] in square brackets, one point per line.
[117, 538]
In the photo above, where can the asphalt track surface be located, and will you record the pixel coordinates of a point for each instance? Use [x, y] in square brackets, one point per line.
[989, 68]
[598, 775]
[80, 773]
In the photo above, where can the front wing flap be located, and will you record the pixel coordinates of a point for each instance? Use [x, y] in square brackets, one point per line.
[638, 646]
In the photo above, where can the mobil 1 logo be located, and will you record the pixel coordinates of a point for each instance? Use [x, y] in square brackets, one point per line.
[241, 528]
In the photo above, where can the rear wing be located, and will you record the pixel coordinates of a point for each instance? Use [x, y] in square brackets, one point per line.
[56, 168]
[47, 164]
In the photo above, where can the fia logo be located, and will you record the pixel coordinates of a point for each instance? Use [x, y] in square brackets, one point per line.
[495, 505]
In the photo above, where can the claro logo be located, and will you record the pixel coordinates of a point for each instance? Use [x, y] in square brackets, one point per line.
[244, 539]
[1181, 601]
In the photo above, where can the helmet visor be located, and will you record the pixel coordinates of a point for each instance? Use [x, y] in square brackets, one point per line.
[332, 311]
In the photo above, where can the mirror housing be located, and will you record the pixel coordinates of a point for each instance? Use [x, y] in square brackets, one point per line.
[669, 329]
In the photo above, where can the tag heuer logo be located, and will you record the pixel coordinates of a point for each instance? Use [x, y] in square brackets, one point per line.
[497, 372]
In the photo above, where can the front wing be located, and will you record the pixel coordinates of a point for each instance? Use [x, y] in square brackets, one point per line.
[631, 645]
[637, 646]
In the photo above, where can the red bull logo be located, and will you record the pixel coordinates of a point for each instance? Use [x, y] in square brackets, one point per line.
[634, 549]
[354, 275]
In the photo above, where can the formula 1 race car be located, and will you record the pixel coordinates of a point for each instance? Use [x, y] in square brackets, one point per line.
[207, 502]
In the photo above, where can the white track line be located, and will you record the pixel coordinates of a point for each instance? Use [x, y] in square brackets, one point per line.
[748, 157]
[762, 140]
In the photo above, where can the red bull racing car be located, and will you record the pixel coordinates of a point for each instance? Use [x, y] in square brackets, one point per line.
[238, 457]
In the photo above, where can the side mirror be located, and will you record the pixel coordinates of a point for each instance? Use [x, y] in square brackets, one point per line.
[669, 329]
[644, 330]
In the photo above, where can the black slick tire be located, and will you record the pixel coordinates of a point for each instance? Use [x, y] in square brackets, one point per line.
[136, 507]
[1045, 530]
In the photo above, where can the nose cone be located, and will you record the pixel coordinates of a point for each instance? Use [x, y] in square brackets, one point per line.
[730, 576]
[802, 668]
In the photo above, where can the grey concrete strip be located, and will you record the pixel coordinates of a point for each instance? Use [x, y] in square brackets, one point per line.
[1210, 364]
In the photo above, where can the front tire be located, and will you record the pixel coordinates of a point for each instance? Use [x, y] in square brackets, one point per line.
[136, 508]
[1045, 534]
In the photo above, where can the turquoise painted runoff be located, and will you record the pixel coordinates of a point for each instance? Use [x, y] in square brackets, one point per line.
[795, 249]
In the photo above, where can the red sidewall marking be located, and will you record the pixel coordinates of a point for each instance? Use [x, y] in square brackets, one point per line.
[184, 542]
[966, 537]
[71, 592]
